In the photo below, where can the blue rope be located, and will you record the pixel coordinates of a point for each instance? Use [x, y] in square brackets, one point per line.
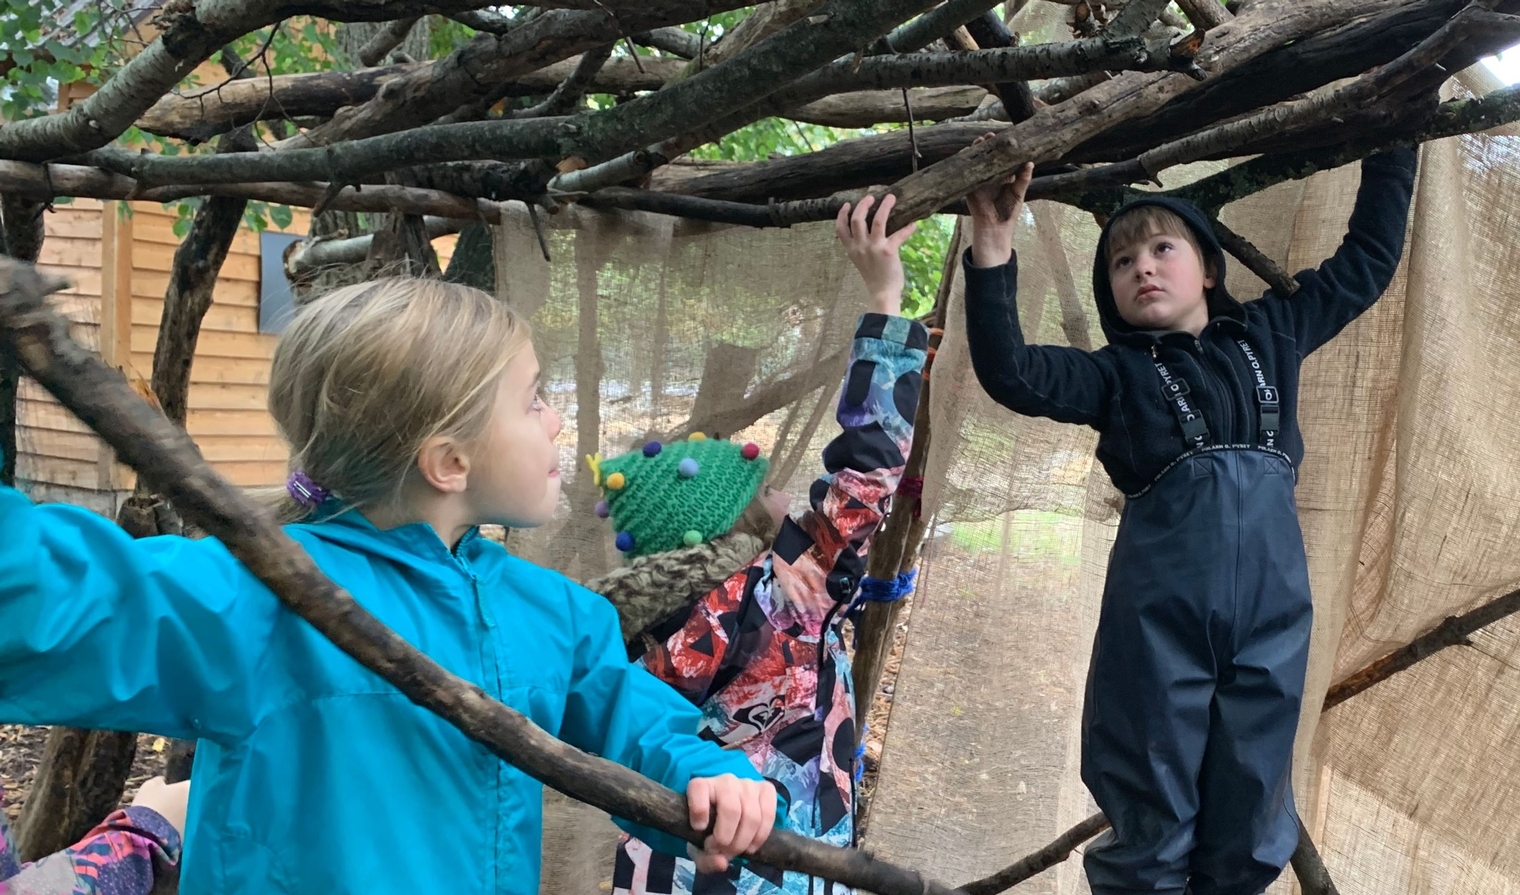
[881, 590]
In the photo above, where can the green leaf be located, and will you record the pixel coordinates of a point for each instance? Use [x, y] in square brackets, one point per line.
[281, 215]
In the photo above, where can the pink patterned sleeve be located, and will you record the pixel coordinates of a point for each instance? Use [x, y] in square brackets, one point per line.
[133, 852]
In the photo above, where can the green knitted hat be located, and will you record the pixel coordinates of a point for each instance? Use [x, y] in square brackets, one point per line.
[680, 494]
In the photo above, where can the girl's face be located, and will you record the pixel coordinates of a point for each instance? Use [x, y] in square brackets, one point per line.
[514, 475]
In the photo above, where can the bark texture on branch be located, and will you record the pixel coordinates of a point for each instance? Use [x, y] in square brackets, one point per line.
[204, 113]
[1266, 26]
[21, 236]
[166, 457]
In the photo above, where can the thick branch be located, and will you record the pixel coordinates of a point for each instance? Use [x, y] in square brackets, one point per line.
[165, 456]
[189, 35]
[201, 114]
[480, 69]
[931, 26]
[30, 181]
[310, 255]
[766, 19]
[1136, 17]
[869, 107]
[990, 33]
[1205, 14]
[1266, 26]
[21, 235]
[351, 161]
[675, 41]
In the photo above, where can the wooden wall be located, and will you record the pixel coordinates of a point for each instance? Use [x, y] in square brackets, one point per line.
[118, 261]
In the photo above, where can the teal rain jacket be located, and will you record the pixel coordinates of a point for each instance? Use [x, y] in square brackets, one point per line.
[313, 774]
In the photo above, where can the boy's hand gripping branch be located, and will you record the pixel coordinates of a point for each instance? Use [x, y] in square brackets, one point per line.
[168, 460]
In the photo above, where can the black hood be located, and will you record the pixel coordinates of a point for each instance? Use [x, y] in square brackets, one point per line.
[1221, 304]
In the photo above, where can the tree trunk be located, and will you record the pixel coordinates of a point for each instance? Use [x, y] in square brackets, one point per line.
[21, 235]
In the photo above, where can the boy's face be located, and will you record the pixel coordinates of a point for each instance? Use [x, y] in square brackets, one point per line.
[1159, 283]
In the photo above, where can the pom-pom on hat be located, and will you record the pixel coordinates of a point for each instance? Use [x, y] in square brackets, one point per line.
[665, 496]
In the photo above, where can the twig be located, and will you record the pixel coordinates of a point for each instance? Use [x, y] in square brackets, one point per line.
[164, 455]
[1452, 631]
[1039, 861]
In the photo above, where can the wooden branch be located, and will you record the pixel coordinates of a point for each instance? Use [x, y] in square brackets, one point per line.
[675, 41]
[1055, 130]
[1452, 631]
[477, 70]
[754, 74]
[990, 33]
[1136, 17]
[44, 182]
[1332, 100]
[766, 19]
[309, 256]
[388, 38]
[352, 161]
[571, 93]
[189, 34]
[1205, 14]
[869, 107]
[1382, 30]
[199, 115]
[894, 549]
[163, 454]
[1313, 878]
[1040, 861]
[931, 26]
[1255, 260]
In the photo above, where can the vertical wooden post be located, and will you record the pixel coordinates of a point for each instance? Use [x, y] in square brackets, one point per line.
[115, 317]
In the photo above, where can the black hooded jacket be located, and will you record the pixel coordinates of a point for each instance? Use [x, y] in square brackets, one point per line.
[1118, 390]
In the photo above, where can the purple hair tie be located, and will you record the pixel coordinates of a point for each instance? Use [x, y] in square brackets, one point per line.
[306, 492]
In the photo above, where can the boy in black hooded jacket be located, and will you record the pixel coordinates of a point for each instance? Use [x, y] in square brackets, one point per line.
[1197, 671]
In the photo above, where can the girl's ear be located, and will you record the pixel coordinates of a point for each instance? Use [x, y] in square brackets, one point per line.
[443, 465]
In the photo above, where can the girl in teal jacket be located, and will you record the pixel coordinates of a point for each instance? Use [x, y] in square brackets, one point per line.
[413, 415]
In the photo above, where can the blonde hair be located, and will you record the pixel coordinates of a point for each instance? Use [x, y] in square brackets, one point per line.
[1141, 223]
[367, 373]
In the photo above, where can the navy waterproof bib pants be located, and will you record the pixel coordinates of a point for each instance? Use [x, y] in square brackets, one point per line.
[1197, 672]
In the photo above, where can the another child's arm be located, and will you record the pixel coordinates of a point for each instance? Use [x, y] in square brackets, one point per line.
[129, 853]
[1065, 384]
[100, 630]
[877, 402]
[1347, 284]
[623, 713]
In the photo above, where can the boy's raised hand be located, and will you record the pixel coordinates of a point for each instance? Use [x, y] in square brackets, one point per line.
[742, 813]
[873, 252]
[991, 232]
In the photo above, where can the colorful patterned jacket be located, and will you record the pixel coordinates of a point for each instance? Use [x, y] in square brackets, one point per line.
[762, 653]
[133, 852]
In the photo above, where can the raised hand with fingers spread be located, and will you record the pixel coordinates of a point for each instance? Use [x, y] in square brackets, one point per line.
[877, 255]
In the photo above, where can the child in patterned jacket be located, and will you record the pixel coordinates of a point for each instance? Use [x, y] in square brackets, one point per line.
[134, 851]
[759, 649]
